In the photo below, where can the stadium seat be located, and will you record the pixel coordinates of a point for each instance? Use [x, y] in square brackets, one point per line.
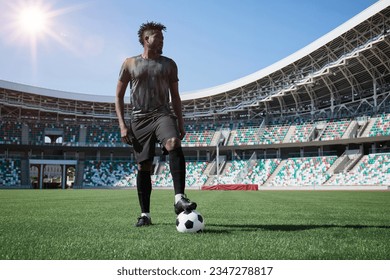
[107, 173]
[10, 132]
[373, 169]
[302, 132]
[381, 126]
[195, 176]
[10, 170]
[307, 171]
[335, 130]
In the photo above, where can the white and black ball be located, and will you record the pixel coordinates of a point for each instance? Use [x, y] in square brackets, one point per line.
[191, 221]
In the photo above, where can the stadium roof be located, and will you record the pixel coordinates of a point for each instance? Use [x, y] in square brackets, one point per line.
[350, 24]
[55, 93]
[364, 15]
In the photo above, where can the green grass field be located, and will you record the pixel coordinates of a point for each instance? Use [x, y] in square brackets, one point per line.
[292, 225]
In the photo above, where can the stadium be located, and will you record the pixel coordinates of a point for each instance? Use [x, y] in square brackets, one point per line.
[303, 145]
[317, 119]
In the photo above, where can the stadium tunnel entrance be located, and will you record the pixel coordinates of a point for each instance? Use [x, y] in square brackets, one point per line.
[52, 174]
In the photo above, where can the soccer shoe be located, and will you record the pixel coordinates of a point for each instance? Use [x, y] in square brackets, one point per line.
[184, 204]
[143, 221]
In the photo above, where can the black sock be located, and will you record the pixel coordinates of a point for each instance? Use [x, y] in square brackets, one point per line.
[144, 188]
[177, 166]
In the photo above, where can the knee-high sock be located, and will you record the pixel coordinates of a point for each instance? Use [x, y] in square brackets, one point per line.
[177, 166]
[144, 188]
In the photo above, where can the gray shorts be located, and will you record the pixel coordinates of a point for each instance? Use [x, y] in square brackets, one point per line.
[151, 131]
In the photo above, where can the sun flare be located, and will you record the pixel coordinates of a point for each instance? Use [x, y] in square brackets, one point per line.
[33, 20]
[36, 23]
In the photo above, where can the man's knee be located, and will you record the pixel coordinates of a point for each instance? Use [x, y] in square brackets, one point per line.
[172, 144]
[145, 166]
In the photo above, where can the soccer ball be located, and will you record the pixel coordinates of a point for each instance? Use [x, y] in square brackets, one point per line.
[190, 222]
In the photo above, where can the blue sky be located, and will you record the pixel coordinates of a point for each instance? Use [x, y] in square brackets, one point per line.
[84, 43]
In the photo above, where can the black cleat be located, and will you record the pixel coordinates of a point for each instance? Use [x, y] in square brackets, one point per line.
[184, 204]
[143, 221]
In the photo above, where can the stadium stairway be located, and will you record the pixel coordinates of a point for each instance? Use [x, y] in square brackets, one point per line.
[353, 161]
[210, 180]
[338, 165]
[289, 134]
[273, 175]
[351, 131]
[215, 138]
[367, 129]
[321, 128]
[345, 163]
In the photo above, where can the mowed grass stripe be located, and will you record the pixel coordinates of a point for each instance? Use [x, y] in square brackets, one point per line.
[98, 224]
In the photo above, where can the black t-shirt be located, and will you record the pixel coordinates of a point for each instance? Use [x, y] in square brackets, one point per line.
[149, 84]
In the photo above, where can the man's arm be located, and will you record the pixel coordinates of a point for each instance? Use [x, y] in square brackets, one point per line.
[176, 105]
[120, 108]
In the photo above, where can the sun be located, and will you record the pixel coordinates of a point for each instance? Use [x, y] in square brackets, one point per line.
[35, 23]
[33, 20]
[29, 21]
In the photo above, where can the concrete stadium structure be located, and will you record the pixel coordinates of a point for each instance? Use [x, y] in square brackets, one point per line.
[341, 79]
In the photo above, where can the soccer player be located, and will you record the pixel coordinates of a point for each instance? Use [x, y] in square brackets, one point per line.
[153, 82]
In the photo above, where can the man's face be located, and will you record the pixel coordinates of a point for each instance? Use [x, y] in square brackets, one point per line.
[155, 41]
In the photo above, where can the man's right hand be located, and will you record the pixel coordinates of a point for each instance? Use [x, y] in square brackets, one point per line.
[130, 139]
[125, 137]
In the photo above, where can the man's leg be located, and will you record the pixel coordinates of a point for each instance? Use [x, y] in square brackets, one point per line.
[144, 189]
[177, 164]
[177, 167]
